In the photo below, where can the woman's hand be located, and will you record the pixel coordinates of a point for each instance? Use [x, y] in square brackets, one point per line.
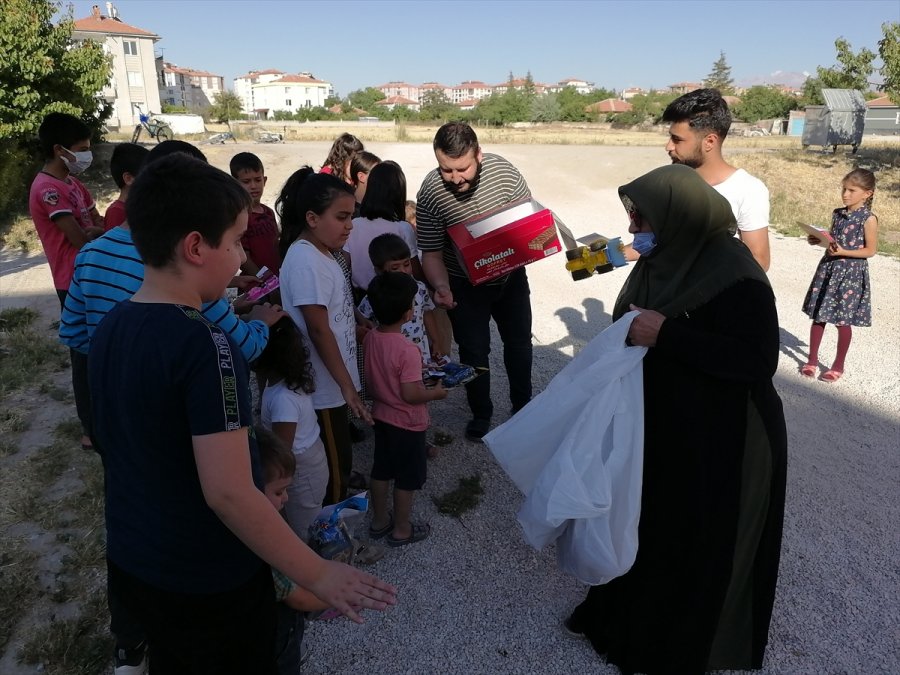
[357, 407]
[645, 328]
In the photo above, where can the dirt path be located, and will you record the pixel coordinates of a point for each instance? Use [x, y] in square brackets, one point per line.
[476, 592]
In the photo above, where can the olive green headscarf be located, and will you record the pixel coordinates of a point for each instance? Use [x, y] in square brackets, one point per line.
[696, 255]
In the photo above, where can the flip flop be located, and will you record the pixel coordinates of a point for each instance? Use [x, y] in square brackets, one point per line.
[419, 532]
[831, 375]
[809, 370]
[382, 531]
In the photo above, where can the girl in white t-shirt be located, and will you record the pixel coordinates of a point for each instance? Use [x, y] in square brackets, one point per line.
[287, 410]
[317, 211]
[382, 211]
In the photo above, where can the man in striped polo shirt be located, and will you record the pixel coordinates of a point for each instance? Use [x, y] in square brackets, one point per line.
[466, 184]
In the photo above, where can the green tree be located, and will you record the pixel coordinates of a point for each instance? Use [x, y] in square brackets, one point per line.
[545, 109]
[168, 108]
[332, 101]
[226, 106]
[646, 108]
[434, 105]
[366, 99]
[42, 71]
[572, 105]
[852, 72]
[889, 51]
[720, 76]
[763, 103]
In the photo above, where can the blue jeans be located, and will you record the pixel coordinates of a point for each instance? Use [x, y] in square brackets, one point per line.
[509, 305]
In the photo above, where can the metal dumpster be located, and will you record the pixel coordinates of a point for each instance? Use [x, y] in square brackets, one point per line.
[839, 122]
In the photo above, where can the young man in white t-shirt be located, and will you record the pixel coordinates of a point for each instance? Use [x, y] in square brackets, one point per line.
[699, 122]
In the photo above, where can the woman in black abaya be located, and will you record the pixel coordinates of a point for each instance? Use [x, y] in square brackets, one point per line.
[699, 596]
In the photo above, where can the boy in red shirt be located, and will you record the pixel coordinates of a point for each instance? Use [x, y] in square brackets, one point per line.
[126, 161]
[62, 209]
[66, 218]
[261, 240]
[394, 380]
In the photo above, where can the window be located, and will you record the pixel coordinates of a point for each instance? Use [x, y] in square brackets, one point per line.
[287, 102]
[130, 47]
[135, 79]
[287, 90]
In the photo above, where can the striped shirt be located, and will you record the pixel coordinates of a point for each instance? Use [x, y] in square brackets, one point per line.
[109, 270]
[438, 207]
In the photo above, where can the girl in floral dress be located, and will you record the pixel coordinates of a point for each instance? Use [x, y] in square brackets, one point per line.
[840, 292]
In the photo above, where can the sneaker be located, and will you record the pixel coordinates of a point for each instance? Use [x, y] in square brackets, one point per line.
[476, 429]
[131, 661]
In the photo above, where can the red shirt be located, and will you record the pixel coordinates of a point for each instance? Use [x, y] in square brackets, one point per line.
[115, 215]
[260, 241]
[51, 198]
[390, 359]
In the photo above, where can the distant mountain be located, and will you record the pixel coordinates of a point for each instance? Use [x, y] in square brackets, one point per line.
[788, 78]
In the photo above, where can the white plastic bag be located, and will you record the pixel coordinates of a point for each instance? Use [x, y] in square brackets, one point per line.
[576, 451]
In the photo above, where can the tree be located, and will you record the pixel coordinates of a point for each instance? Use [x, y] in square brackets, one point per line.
[763, 103]
[545, 109]
[366, 99]
[434, 105]
[226, 106]
[720, 76]
[889, 51]
[853, 72]
[572, 105]
[42, 71]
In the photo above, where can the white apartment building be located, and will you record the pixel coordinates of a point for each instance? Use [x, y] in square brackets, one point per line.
[470, 89]
[581, 86]
[133, 84]
[187, 87]
[289, 93]
[243, 86]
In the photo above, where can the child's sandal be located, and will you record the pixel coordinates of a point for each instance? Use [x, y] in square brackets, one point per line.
[808, 370]
[831, 375]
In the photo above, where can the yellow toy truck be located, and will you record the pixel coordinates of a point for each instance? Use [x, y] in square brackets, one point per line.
[600, 256]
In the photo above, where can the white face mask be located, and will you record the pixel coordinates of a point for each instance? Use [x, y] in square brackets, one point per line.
[81, 162]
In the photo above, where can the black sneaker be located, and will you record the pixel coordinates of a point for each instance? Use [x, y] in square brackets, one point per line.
[131, 661]
[476, 429]
[573, 628]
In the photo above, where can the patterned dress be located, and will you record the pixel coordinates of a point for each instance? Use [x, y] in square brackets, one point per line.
[840, 292]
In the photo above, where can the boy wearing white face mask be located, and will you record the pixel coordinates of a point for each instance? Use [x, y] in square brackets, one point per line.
[65, 218]
[62, 209]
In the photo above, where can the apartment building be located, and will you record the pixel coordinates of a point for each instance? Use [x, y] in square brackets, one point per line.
[132, 86]
[186, 87]
[243, 86]
[289, 93]
[469, 90]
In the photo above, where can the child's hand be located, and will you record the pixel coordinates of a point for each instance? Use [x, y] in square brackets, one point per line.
[438, 392]
[361, 330]
[244, 282]
[268, 314]
[834, 249]
[347, 589]
[93, 231]
[357, 407]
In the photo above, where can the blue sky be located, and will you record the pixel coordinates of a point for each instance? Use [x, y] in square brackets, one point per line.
[355, 44]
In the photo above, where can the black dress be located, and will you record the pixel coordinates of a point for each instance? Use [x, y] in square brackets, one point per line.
[700, 593]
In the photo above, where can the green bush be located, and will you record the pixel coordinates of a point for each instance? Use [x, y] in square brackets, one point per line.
[17, 167]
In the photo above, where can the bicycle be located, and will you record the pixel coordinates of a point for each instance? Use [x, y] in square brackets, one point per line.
[158, 130]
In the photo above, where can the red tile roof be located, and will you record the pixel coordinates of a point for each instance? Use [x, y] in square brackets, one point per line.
[103, 24]
[432, 85]
[610, 105]
[396, 100]
[472, 84]
[880, 102]
[254, 73]
[469, 102]
[395, 85]
[297, 79]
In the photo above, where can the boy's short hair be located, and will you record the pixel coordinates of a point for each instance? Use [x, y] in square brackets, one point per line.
[177, 195]
[61, 129]
[703, 109]
[411, 211]
[455, 139]
[167, 148]
[277, 459]
[126, 158]
[386, 248]
[391, 295]
[245, 161]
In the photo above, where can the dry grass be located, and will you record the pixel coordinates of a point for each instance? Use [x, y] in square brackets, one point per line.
[26, 353]
[804, 186]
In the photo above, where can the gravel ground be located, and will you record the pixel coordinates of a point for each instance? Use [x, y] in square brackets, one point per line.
[474, 598]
